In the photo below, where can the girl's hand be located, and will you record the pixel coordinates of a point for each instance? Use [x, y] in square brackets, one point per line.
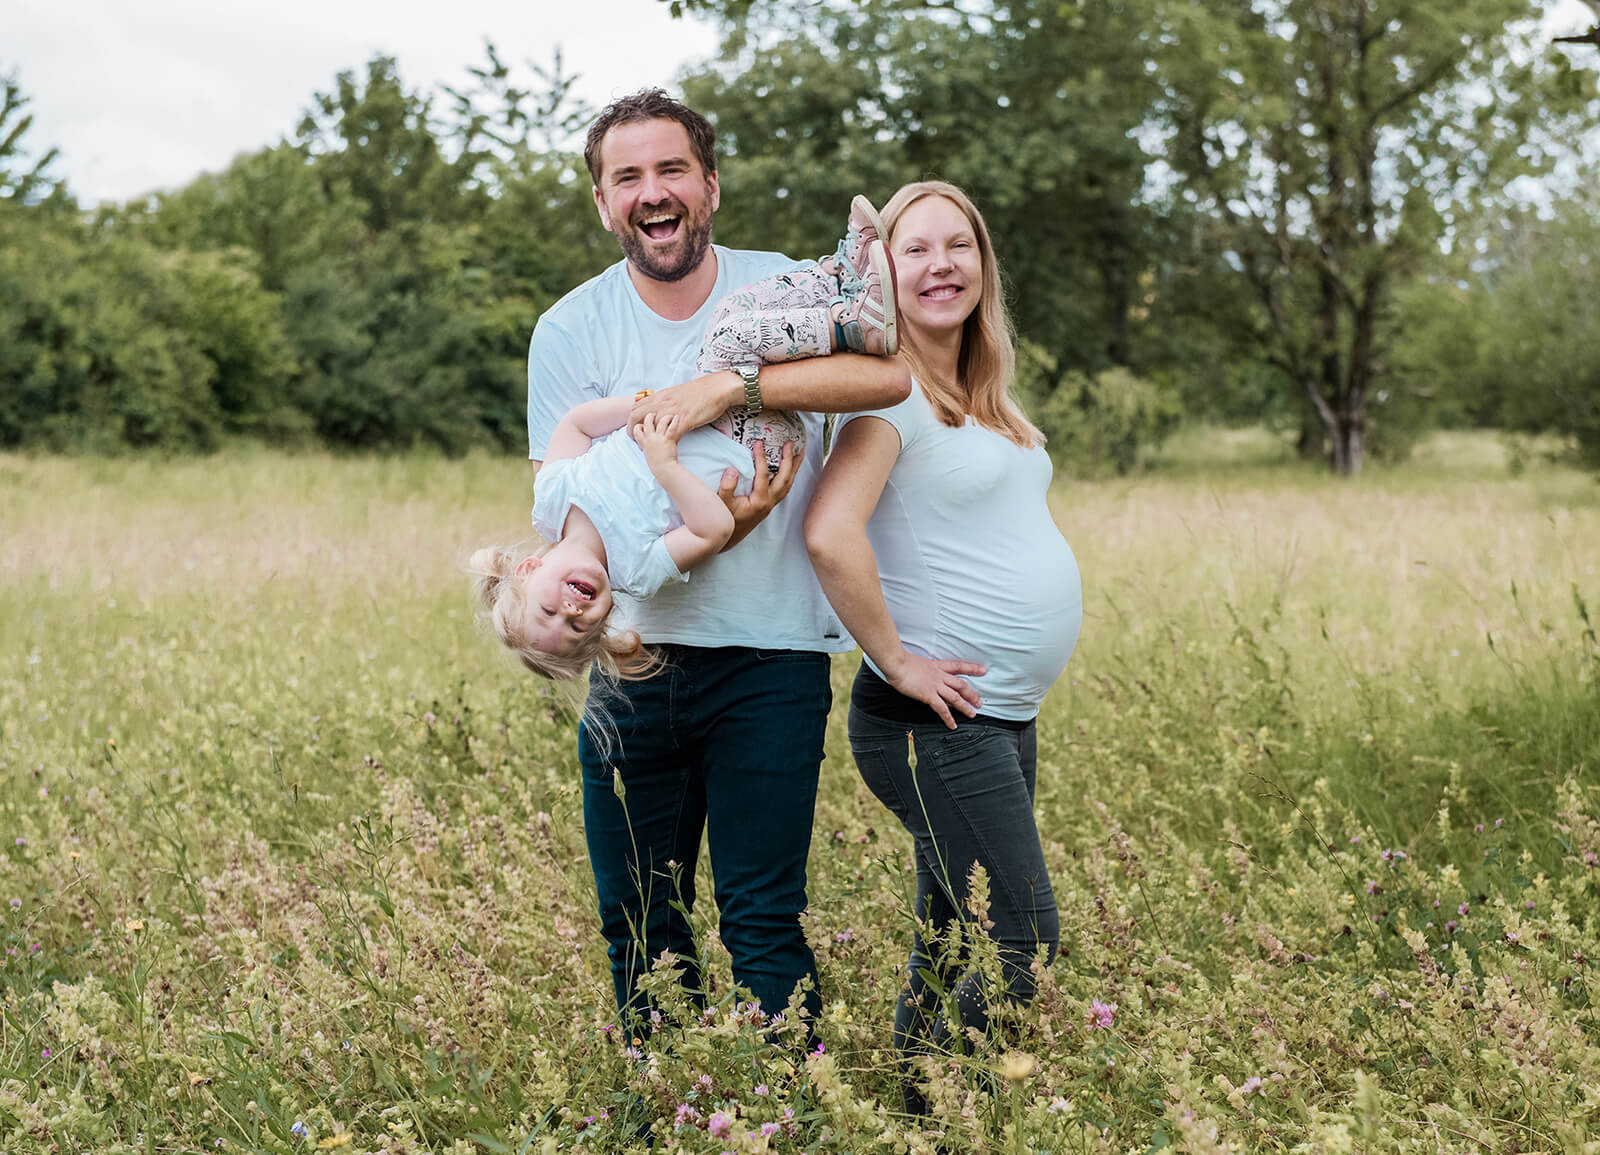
[658, 436]
[938, 683]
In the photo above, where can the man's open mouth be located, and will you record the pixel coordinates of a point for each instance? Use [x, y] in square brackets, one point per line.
[660, 226]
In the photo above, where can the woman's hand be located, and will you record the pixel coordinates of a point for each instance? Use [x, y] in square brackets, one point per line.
[938, 683]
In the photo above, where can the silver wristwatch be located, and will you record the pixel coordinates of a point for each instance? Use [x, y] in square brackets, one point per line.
[752, 385]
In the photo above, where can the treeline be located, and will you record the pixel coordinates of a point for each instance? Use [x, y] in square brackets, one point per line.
[1350, 218]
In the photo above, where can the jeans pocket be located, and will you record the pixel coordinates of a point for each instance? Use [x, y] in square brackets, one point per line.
[877, 775]
[942, 745]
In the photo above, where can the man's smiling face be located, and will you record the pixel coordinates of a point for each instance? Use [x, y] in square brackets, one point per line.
[656, 197]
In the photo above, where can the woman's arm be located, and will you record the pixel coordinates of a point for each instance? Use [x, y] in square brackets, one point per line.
[576, 431]
[836, 536]
[707, 524]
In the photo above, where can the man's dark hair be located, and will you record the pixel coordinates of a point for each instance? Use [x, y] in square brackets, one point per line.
[651, 104]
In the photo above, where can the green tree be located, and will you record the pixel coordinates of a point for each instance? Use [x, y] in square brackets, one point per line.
[1533, 329]
[1034, 107]
[1335, 145]
[108, 343]
[23, 177]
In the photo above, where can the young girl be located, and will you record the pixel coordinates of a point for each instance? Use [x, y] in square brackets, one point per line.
[633, 509]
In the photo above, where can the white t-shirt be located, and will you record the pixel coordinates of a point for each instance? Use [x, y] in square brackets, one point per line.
[973, 566]
[601, 340]
[612, 483]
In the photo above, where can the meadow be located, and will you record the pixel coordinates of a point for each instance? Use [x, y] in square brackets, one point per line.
[292, 856]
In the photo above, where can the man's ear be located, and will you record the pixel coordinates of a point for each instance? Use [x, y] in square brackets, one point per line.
[526, 566]
[715, 191]
[600, 207]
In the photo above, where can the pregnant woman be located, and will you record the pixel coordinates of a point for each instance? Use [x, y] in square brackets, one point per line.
[931, 536]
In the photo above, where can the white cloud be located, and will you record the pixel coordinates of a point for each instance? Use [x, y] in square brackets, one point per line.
[141, 97]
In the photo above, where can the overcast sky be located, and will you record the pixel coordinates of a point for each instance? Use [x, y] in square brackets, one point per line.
[142, 96]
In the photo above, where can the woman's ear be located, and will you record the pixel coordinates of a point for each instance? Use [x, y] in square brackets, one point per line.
[526, 566]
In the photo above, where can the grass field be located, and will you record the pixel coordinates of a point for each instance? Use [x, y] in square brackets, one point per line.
[292, 857]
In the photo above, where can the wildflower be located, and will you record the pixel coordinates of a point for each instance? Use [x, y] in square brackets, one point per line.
[22, 842]
[1463, 908]
[703, 1084]
[45, 1054]
[342, 1139]
[763, 1089]
[134, 925]
[1478, 829]
[821, 1050]
[1101, 1014]
[1018, 1066]
[845, 935]
[768, 1130]
[632, 1054]
[686, 1116]
[299, 1129]
[1450, 927]
[1499, 822]
[720, 1126]
[16, 904]
[196, 1079]
[1251, 1085]
[1513, 937]
[1372, 887]
[1059, 1106]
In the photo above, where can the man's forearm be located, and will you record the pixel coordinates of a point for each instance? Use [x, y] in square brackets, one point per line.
[841, 383]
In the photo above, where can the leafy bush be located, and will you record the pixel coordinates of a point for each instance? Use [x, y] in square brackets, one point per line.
[1099, 424]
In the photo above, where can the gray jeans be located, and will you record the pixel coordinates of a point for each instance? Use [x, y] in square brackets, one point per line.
[969, 799]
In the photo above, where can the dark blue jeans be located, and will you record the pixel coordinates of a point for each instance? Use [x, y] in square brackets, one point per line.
[727, 741]
[969, 799]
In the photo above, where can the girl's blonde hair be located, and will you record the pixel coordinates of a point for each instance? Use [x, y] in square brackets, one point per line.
[617, 654]
[986, 367]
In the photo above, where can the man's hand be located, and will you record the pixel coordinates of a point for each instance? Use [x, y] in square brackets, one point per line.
[698, 402]
[658, 437]
[765, 492]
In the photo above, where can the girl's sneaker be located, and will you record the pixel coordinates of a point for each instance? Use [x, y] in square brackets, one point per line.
[869, 319]
[851, 261]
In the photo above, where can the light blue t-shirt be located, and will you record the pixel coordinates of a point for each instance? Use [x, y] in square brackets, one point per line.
[602, 340]
[612, 483]
[972, 564]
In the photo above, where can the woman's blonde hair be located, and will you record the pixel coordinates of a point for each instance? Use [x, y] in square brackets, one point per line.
[986, 367]
[617, 654]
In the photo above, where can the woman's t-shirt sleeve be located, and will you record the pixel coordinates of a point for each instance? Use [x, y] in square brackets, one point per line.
[906, 418]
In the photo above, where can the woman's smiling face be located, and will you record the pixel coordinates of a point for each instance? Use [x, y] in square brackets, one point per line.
[937, 264]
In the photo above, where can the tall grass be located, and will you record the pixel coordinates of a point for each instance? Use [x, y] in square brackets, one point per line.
[293, 857]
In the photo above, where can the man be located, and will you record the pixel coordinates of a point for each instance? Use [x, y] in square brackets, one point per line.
[727, 738]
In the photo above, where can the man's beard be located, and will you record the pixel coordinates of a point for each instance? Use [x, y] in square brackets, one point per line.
[673, 265]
